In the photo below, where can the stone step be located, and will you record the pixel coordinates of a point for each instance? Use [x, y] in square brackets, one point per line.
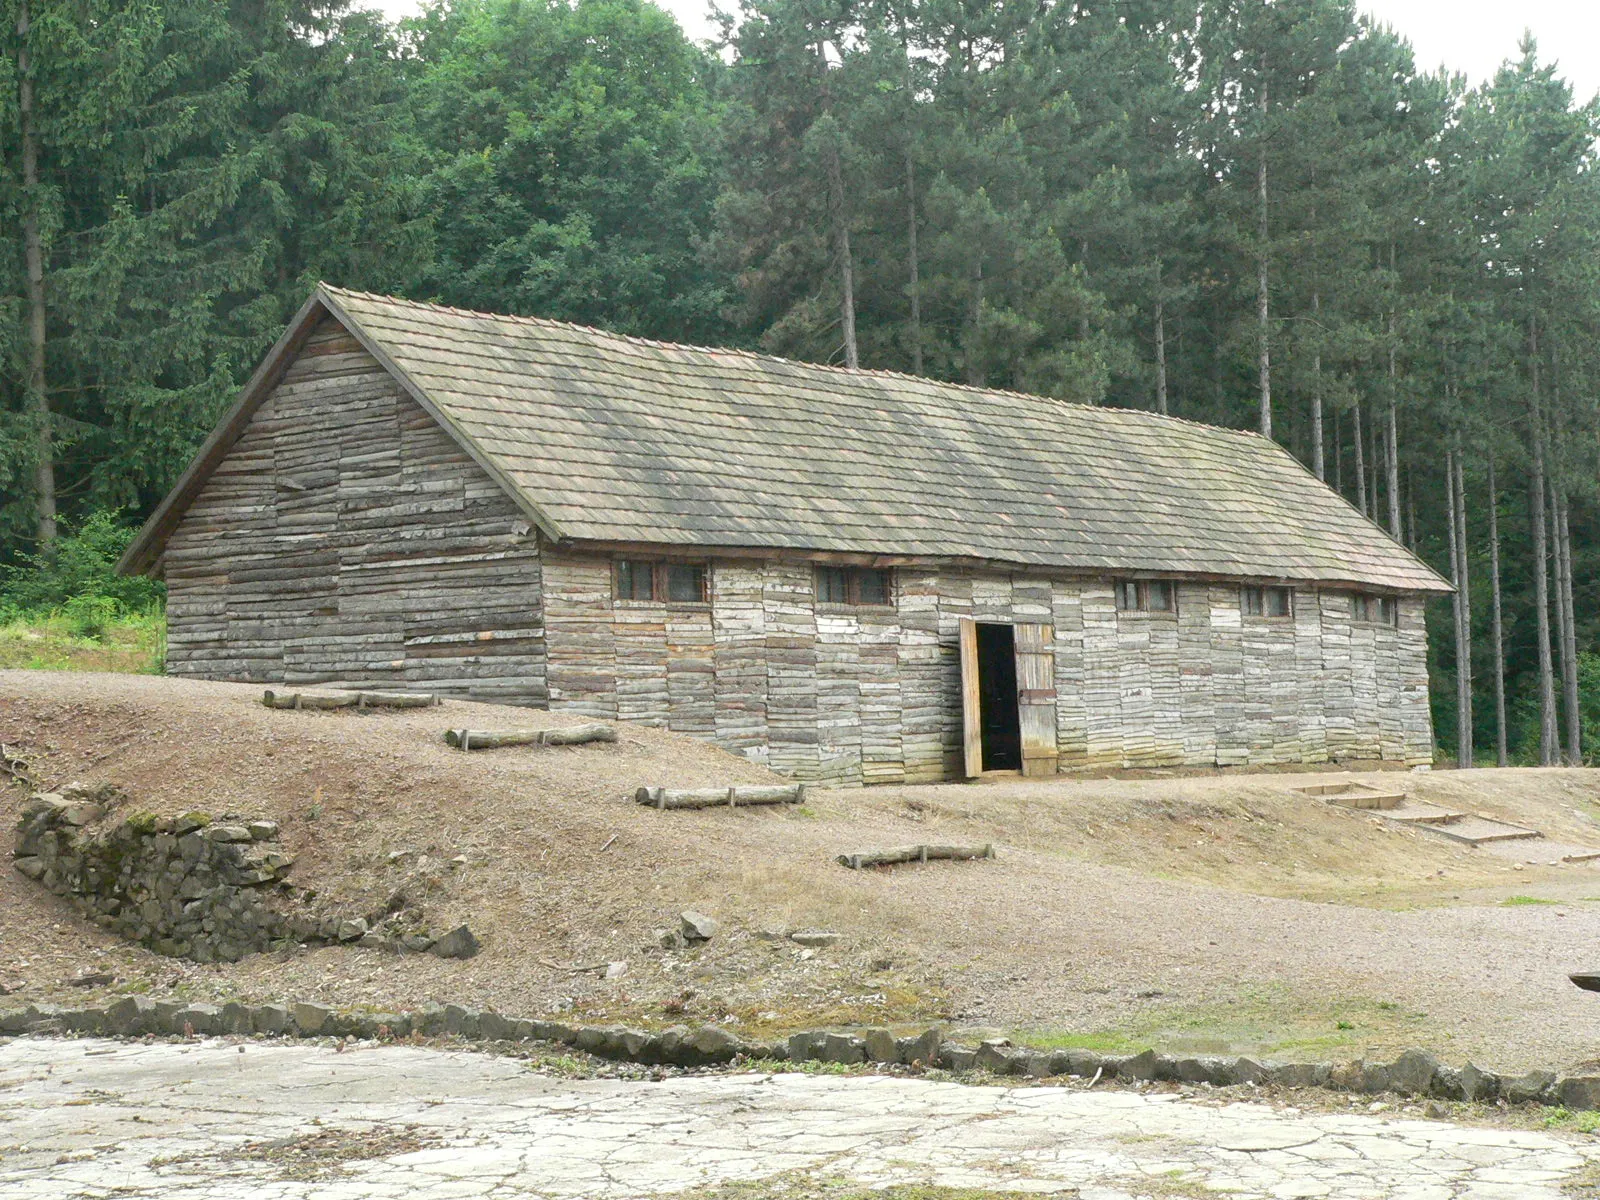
[1376, 801]
[1478, 831]
[1420, 814]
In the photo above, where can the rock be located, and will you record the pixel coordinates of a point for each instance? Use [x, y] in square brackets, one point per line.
[697, 927]
[713, 1044]
[616, 970]
[31, 867]
[814, 937]
[922, 1050]
[310, 1019]
[1531, 1087]
[880, 1046]
[1478, 1084]
[271, 1018]
[89, 978]
[842, 1048]
[1435, 1111]
[957, 1058]
[1300, 1075]
[802, 1047]
[1204, 1069]
[1139, 1066]
[262, 831]
[1039, 1064]
[228, 833]
[999, 1057]
[1412, 1073]
[461, 1022]
[1248, 1070]
[80, 813]
[351, 929]
[496, 1028]
[668, 939]
[1579, 1092]
[131, 1015]
[460, 942]
[236, 1018]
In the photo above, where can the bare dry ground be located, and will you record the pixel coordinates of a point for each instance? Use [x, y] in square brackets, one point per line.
[1213, 912]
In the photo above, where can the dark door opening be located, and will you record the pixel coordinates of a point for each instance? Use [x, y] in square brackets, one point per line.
[998, 719]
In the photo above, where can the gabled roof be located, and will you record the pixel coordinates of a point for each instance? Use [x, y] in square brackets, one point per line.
[611, 439]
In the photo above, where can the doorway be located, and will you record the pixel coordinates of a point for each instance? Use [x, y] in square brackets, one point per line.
[1000, 726]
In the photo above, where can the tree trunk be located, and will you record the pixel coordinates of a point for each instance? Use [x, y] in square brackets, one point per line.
[1263, 294]
[1541, 581]
[1569, 632]
[847, 277]
[1455, 598]
[1338, 454]
[1391, 434]
[1500, 755]
[1161, 353]
[44, 470]
[1318, 457]
[974, 365]
[1463, 574]
[1361, 466]
[915, 282]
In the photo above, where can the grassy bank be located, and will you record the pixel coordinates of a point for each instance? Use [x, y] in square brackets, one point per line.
[59, 640]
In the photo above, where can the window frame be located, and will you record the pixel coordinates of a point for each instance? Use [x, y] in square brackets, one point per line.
[1262, 592]
[660, 581]
[1141, 593]
[852, 587]
[1371, 608]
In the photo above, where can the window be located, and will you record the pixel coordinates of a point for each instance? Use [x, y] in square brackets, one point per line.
[662, 583]
[1147, 595]
[1266, 601]
[853, 586]
[1377, 610]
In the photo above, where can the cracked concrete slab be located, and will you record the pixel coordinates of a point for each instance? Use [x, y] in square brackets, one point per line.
[215, 1119]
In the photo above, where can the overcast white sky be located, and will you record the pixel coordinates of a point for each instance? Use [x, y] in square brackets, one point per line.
[1473, 36]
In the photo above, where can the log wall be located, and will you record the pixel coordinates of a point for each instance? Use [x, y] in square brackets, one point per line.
[347, 538]
[872, 695]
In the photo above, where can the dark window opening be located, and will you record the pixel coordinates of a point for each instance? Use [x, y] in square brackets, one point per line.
[999, 721]
[1146, 595]
[1377, 610]
[662, 583]
[853, 586]
[1266, 601]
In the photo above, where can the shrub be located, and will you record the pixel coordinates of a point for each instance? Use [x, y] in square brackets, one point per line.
[79, 570]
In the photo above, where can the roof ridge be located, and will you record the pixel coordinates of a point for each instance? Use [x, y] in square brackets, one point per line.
[871, 372]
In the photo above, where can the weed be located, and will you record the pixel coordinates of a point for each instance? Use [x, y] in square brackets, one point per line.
[1522, 901]
[1575, 1122]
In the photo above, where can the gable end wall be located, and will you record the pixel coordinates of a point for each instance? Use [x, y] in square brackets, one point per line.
[347, 538]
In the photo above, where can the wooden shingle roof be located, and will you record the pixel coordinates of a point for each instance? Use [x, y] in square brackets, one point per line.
[613, 439]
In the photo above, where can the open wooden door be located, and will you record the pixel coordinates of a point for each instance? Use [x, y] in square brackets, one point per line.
[1036, 697]
[971, 712]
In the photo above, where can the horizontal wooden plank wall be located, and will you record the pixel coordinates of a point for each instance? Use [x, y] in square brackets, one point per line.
[831, 694]
[347, 538]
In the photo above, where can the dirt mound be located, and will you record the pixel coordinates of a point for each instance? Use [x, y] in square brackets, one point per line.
[1212, 912]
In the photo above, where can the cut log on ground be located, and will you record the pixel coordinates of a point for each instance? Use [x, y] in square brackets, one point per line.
[490, 739]
[349, 699]
[730, 797]
[917, 854]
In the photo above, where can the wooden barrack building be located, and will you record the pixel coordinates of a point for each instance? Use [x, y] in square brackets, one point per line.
[852, 576]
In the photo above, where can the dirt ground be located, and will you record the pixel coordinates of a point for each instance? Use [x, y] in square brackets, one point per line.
[1214, 913]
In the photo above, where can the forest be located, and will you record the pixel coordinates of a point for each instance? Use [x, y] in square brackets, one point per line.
[1255, 213]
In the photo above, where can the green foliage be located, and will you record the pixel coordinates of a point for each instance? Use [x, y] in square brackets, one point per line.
[78, 575]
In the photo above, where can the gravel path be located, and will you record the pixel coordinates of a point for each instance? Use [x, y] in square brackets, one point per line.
[214, 1121]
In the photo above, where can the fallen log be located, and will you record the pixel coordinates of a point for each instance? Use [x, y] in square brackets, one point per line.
[731, 797]
[486, 739]
[320, 700]
[918, 854]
